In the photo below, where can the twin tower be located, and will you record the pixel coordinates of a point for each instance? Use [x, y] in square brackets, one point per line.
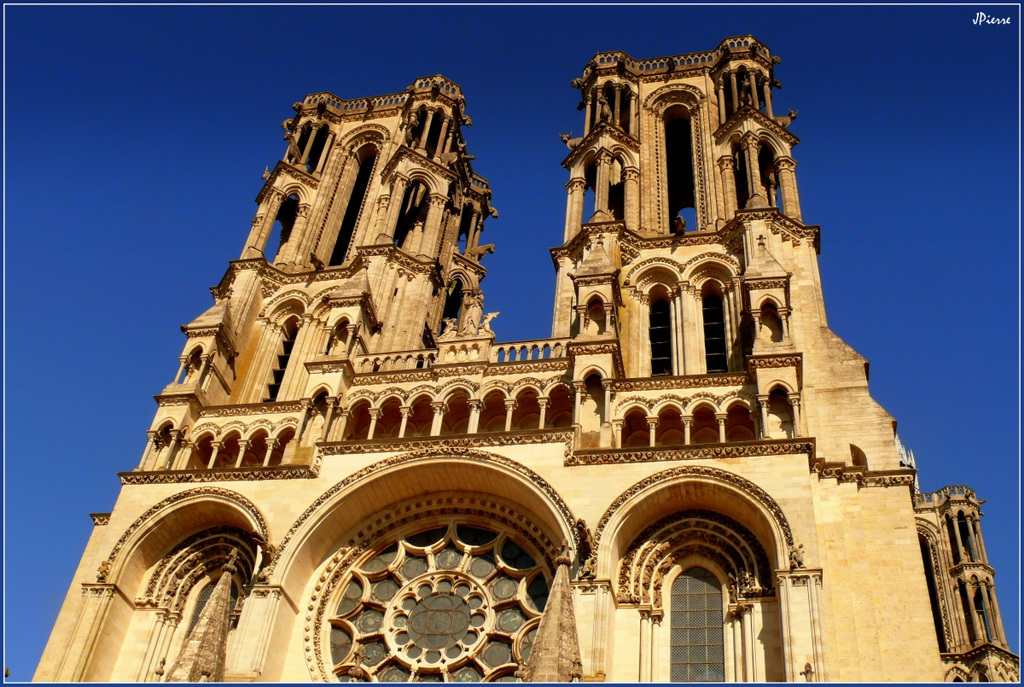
[349, 479]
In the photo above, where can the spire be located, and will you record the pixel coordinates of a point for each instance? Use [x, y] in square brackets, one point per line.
[555, 656]
[204, 654]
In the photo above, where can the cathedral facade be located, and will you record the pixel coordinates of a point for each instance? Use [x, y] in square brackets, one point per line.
[350, 479]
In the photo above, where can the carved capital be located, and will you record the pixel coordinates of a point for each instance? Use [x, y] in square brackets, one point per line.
[576, 184]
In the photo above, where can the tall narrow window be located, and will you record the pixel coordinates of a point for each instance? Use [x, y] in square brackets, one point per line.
[968, 621]
[965, 536]
[355, 204]
[982, 610]
[679, 162]
[714, 334]
[661, 338]
[933, 593]
[697, 639]
[290, 329]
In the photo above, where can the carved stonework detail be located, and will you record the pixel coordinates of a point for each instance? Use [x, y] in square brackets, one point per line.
[701, 452]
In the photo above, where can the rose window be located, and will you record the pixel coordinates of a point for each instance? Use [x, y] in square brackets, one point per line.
[449, 604]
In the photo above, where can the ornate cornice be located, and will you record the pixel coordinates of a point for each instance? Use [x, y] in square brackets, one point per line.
[861, 476]
[779, 224]
[482, 440]
[525, 366]
[100, 519]
[253, 474]
[757, 362]
[252, 409]
[731, 379]
[696, 452]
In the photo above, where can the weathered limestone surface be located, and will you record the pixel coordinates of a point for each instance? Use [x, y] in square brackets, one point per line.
[389, 486]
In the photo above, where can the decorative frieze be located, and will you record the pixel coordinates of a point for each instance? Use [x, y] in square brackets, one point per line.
[252, 409]
[100, 519]
[468, 441]
[257, 474]
[757, 449]
[688, 382]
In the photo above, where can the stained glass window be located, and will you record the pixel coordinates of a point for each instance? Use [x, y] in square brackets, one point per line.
[697, 630]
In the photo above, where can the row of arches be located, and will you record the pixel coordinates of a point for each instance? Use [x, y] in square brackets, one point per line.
[476, 540]
[169, 448]
[459, 413]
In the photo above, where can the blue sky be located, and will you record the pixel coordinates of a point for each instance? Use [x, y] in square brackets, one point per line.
[135, 138]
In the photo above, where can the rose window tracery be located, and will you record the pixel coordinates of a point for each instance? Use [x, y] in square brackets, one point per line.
[458, 603]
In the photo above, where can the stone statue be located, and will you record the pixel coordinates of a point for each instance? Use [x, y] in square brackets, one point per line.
[734, 587]
[570, 142]
[450, 328]
[492, 211]
[473, 308]
[478, 252]
[796, 557]
[410, 122]
[785, 121]
[293, 155]
[103, 571]
[680, 224]
[577, 83]
[485, 323]
[604, 113]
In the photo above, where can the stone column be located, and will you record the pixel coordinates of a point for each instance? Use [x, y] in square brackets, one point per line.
[439, 411]
[442, 137]
[543, 403]
[574, 207]
[785, 168]
[577, 401]
[631, 193]
[426, 130]
[634, 114]
[735, 613]
[762, 401]
[260, 614]
[747, 629]
[604, 164]
[617, 433]
[309, 144]
[645, 646]
[87, 630]
[343, 418]
[618, 104]
[586, 125]
[322, 162]
[271, 445]
[768, 98]
[171, 448]
[432, 228]
[752, 77]
[328, 417]
[475, 406]
[510, 405]
[607, 385]
[674, 329]
[262, 224]
[721, 427]
[242, 446]
[735, 91]
[727, 169]
[183, 360]
[652, 425]
[405, 411]
[687, 421]
[721, 103]
[750, 147]
[374, 415]
[213, 455]
[794, 403]
[398, 187]
[289, 252]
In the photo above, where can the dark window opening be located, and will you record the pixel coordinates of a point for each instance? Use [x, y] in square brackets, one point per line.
[981, 609]
[679, 162]
[740, 177]
[414, 210]
[284, 222]
[965, 536]
[355, 204]
[714, 334]
[452, 306]
[287, 342]
[661, 338]
[933, 593]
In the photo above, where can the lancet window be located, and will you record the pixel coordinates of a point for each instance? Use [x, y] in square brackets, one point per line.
[284, 222]
[661, 335]
[289, 330]
[679, 161]
[715, 345]
[367, 157]
[697, 639]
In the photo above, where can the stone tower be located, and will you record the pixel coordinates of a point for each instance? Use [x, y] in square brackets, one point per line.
[349, 479]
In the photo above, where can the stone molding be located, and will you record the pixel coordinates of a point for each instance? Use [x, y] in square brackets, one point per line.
[233, 496]
[779, 447]
[252, 409]
[253, 474]
[699, 472]
[468, 441]
[682, 382]
[100, 519]
[454, 454]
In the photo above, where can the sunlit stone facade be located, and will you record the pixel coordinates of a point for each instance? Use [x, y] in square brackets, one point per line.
[688, 480]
